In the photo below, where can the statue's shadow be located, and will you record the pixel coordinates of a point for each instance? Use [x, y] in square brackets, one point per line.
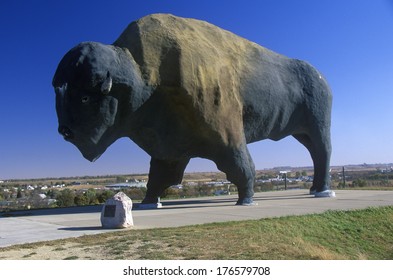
[218, 202]
[82, 228]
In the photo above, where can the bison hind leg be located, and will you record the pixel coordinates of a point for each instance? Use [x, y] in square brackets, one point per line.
[239, 168]
[320, 149]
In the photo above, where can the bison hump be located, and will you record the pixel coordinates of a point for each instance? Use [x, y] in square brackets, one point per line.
[171, 50]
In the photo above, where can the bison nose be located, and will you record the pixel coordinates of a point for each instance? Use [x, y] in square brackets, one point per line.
[66, 132]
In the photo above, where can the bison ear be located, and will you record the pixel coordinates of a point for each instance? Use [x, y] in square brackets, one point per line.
[107, 84]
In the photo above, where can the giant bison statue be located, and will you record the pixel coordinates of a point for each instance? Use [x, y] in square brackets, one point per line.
[183, 88]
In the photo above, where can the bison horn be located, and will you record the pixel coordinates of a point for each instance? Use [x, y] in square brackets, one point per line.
[107, 84]
[61, 90]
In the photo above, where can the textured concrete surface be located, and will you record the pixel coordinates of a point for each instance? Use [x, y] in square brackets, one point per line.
[40, 225]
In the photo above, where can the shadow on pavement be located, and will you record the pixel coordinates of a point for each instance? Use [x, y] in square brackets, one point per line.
[82, 228]
[218, 202]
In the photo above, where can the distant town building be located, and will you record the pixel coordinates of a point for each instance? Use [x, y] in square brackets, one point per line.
[130, 184]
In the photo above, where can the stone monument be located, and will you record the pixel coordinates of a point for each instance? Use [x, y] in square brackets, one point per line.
[182, 88]
[117, 212]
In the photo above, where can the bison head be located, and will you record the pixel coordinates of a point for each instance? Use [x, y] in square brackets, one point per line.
[87, 85]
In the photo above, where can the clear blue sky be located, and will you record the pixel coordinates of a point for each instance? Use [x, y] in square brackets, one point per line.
[350, 42]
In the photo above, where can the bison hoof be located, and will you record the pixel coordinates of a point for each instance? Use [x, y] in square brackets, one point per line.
[246, 202]
[150, 202]
[327, 193]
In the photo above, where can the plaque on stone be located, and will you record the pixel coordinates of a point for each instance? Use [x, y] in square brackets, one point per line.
[109, 210]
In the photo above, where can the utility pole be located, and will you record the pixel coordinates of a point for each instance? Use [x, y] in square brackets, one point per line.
[343, 177]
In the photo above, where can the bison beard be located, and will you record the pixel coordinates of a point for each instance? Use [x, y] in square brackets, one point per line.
[183, 88]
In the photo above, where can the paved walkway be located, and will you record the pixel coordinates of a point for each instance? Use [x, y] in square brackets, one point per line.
[41, 225]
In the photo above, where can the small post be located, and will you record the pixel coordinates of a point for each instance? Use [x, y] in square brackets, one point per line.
[285, 178]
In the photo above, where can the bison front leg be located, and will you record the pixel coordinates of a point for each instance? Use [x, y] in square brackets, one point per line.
[239, 168]
[162, 175]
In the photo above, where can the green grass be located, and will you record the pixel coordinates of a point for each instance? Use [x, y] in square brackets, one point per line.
[360, 234]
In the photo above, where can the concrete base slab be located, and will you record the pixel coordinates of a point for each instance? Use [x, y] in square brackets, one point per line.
[42, 225]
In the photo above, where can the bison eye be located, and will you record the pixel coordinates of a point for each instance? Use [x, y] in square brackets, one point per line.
[85, 99]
